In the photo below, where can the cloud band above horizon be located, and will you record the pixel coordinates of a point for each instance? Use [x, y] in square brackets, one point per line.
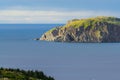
[37, 16]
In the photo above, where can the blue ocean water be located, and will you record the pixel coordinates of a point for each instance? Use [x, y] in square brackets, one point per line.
[63, 61]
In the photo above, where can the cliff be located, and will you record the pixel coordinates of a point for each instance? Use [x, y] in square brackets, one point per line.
[90, 30]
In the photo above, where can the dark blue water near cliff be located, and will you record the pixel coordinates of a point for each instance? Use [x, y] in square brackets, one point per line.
[64, 61]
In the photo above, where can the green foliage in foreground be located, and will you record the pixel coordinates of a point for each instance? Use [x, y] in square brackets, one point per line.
[17, 74]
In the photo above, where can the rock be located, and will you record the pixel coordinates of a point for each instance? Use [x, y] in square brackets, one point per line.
[91, 30]
[36, 39]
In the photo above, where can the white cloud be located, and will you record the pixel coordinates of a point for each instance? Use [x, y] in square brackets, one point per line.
[36, 16]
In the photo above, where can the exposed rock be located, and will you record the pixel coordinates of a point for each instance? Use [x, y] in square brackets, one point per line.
[99, 29]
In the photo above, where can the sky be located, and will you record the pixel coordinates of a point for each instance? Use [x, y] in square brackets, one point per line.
[55, 11]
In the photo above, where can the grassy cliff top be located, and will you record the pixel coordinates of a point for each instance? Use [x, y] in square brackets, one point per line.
[76, 23]
[92, 21]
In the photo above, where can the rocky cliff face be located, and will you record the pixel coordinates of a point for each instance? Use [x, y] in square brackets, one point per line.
[99, 29]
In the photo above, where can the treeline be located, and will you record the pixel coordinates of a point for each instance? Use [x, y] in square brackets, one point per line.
[17, 74]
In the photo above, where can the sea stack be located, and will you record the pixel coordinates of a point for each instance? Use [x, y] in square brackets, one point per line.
[91, 30]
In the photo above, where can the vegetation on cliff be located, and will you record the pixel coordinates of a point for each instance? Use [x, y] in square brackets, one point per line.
[98, 29]
[92, 22]
[17, 74]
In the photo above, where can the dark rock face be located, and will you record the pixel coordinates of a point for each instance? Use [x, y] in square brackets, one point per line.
[101, 32]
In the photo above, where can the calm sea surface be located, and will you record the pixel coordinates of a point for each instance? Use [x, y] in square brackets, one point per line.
[63, 61]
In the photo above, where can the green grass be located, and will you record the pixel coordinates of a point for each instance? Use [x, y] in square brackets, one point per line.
[89, 22]
[92, 22]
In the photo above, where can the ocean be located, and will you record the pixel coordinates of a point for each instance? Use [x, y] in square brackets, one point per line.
[63, 61]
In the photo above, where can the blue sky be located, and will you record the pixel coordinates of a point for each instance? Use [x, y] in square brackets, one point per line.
[55, 11]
